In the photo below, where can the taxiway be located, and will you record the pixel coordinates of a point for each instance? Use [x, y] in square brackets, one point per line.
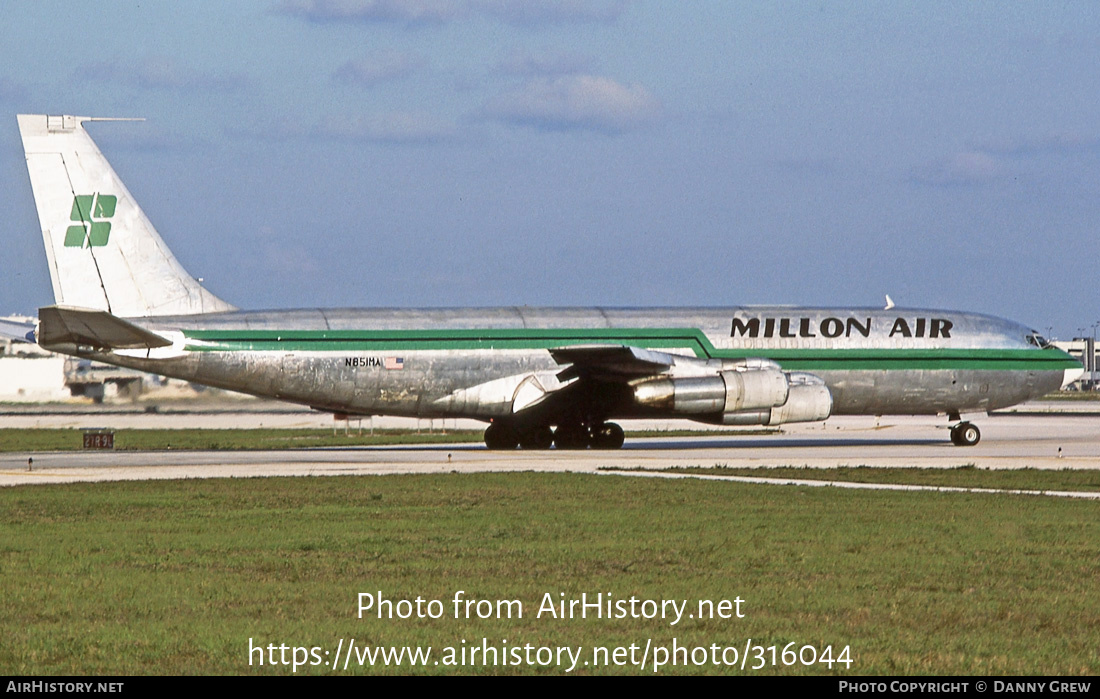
[1021, 440]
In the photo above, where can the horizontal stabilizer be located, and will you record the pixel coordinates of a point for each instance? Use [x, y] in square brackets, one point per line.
[614, 360]
[68, 325]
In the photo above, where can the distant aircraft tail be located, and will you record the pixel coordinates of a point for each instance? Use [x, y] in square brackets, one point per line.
[103, 252]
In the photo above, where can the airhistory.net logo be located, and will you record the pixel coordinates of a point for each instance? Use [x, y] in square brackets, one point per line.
[90, 212]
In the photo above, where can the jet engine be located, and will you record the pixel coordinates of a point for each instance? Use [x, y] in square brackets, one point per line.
[808, 400]
[724, 392]
[763, 396]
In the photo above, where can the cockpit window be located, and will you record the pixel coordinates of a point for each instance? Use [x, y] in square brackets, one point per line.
[1038, 340]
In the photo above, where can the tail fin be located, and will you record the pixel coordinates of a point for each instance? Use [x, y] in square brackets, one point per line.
[103, 252]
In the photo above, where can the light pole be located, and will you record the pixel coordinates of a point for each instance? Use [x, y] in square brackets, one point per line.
[1092, 358]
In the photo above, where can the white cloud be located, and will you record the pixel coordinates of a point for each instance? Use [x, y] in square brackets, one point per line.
[415, 12]
[544, 65]
[391, 127]
[576, 102]
[397, 127]
[973, 165]
[159, 73]
[275, 258]
[401, 11]
[1000, 158]
[533, 12]
[374, 70]
[965, 168]
[1055, 142]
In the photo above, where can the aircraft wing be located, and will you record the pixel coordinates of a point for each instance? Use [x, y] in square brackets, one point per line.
[551, 393]
[610, 361]
[69, 325]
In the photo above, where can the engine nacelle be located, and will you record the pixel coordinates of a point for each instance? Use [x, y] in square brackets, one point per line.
[725, 392]
[809, 400]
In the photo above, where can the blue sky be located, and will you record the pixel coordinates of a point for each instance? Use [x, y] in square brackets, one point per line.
[613, 152]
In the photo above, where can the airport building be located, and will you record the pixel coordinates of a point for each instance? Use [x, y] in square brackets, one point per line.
[1084, 350]
[30, 374]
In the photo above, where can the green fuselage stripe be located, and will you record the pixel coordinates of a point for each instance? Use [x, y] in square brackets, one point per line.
[808, 359]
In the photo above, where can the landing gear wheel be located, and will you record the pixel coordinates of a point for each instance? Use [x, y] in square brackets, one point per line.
[536, 438]
[608, 436]
[500, 437]
[571, 437]
[965, 434]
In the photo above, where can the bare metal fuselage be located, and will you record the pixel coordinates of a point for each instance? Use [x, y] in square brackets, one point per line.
[473, 362]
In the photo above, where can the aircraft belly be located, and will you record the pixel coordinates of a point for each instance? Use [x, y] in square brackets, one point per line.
[418, 383]
[414, 384]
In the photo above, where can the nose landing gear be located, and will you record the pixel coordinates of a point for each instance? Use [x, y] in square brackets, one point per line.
[965, 434]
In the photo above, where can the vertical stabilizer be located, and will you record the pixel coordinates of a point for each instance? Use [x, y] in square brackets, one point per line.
[102, 250]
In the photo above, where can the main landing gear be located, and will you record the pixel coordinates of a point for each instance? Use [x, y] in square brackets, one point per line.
[965, 434]
[504, 437]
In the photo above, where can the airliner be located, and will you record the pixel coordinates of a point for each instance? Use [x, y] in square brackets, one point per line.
[539, 377]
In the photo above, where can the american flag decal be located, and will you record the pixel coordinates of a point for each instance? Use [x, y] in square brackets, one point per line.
[395, 362]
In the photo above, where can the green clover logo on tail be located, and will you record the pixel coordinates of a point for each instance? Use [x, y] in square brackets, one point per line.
[89, 211]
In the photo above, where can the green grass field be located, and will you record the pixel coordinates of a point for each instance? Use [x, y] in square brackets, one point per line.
[176, 576]
[155, 440]
[959, 477]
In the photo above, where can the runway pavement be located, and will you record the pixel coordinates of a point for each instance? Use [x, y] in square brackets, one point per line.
[1008, 441]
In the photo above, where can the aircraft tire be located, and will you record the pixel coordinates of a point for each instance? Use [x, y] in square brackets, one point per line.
[608, 436]
[539, 438]
[500, 437]
[965, 434]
